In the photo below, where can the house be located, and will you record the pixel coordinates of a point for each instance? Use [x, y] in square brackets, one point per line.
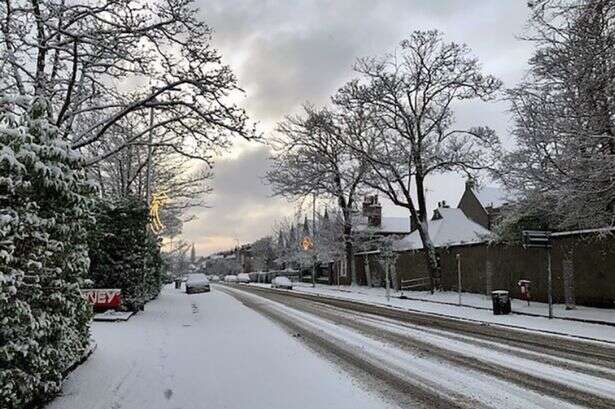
[483, 205]
[448, 227]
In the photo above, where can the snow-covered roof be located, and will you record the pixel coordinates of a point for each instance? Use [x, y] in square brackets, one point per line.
[395, 224]
[494, 197]
[453, 228]
[387, 225]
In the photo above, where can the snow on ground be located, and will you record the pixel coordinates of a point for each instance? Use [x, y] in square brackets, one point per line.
[205, 351]
[464, 383]
[425, 302]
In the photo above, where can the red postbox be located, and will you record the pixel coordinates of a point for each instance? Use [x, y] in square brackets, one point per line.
[524, 286]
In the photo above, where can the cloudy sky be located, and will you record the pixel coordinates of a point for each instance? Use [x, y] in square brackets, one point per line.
[287, 52]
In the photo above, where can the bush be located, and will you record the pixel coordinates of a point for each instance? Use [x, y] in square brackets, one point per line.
[124, 253]
[44, 206]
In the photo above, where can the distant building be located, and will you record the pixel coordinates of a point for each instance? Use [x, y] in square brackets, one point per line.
[484, 205]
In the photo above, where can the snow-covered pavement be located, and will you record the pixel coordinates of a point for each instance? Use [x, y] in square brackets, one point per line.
[206, 351]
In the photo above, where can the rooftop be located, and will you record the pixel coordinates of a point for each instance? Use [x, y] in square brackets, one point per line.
[494, 197]
[453, 228]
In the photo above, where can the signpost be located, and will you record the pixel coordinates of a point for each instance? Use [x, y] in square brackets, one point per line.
[542, 239]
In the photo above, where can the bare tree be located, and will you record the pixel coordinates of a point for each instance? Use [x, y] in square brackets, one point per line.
[564, 116]
[410, 95]
[185, 181]
[263, 253]
[310, 157]
[330, 245]
[102, 62]
[287, 245]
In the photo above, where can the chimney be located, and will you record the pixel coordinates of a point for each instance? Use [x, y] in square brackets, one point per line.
[372, 210]
[368, 201]
[470, 184]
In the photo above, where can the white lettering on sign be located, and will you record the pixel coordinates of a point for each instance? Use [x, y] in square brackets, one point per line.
[103, 297]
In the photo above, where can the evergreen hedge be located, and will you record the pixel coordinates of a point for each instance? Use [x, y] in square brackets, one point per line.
[45, 203]
[123, 251]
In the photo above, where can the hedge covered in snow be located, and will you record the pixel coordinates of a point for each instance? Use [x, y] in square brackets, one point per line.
[123, 251]
[45, 202]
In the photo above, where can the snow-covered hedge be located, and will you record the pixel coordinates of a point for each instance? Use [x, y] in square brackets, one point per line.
[124, 253]
[44, 206]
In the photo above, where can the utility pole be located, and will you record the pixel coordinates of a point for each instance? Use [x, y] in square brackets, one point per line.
[148, 174]
[148, 179]
[314, 256]
[550, 282]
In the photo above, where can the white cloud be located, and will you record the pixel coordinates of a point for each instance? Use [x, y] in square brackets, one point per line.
[287, 52]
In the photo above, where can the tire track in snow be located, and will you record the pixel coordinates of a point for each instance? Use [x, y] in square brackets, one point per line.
[478, 358]
[592, 352]
[405, 392]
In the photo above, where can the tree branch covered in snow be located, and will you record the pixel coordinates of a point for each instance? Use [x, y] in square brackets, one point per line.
[103, 62]
[564, 116]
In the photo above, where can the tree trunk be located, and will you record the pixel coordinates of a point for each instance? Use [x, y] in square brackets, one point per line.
[431, 257]
[350, 262]
[349, 250]
[429, 250]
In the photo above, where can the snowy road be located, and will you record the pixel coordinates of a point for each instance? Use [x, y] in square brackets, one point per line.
[423, 360]
[248, 347]
[205, 351]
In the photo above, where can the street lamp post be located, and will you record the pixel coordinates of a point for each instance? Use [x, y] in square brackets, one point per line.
[314, 256]
[148, 174]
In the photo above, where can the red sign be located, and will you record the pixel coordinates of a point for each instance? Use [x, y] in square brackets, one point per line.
[102, 298]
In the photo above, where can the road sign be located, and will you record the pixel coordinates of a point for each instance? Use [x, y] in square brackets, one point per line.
[307, 243]
[536, 238]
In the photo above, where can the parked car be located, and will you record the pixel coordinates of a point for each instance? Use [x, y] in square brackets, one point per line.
[243, 278]
[214, 278]
[197, 283]
[230, 279]
[282, 282]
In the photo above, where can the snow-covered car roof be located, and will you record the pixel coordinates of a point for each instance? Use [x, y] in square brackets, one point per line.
[282, 279]
[197, 278]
